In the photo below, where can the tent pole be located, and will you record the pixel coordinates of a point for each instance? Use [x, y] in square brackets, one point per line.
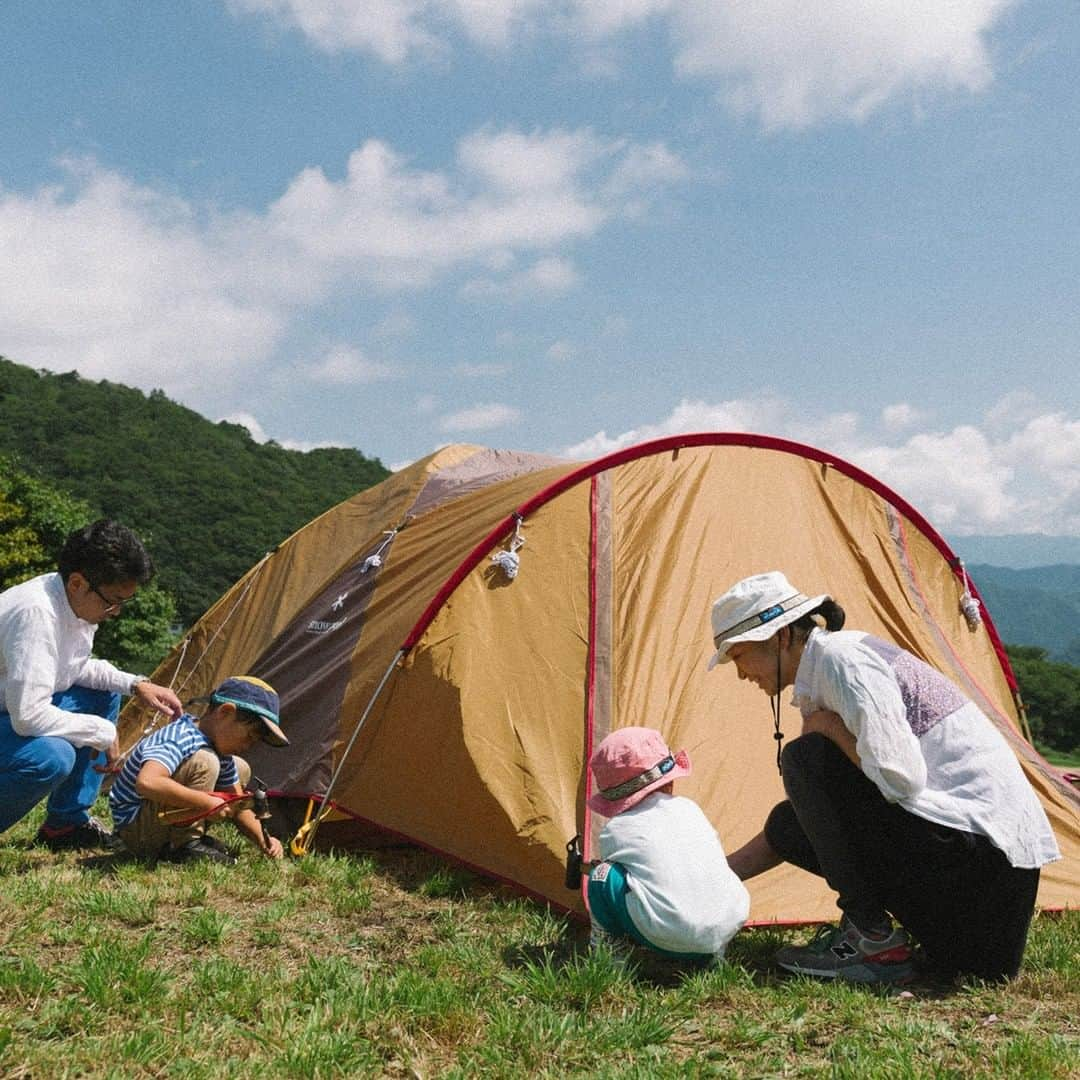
[305, 835]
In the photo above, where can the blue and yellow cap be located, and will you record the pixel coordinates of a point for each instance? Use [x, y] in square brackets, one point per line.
[254, 696]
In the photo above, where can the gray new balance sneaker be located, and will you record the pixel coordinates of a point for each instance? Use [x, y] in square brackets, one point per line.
[845, 952]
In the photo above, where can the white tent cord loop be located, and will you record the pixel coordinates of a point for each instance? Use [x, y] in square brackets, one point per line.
[968, 604]
[374, 560]
[509, 561]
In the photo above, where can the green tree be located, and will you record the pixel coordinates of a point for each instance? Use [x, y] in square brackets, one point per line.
[35, 520]
[206, 498]
[1051, 692]
[139, 638]
[1071, 653]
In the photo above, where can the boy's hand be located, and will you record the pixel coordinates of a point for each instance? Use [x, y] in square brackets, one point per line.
[274, 850]
[224, 810]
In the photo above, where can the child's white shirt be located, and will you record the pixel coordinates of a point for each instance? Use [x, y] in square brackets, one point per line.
[683, 896]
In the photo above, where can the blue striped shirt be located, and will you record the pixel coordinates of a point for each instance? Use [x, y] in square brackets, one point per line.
[171, 745]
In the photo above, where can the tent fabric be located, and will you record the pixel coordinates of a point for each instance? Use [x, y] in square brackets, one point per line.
[498, 688]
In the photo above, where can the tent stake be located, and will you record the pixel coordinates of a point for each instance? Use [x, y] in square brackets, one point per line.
[305, 835]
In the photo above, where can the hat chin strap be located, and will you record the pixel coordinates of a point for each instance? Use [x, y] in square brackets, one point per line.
[774, 701]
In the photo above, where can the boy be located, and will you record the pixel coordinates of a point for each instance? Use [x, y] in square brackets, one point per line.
[664, 881]
[181, 766]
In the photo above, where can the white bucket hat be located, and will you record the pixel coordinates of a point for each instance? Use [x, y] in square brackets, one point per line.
[754, 609]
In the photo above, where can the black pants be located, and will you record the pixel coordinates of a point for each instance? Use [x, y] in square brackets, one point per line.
[953, 891]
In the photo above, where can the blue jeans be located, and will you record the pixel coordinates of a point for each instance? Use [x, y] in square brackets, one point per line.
[45, 766]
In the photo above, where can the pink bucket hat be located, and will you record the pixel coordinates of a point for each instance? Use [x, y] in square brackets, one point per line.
[630, 763]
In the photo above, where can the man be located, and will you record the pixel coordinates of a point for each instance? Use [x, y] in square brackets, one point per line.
[58, 704]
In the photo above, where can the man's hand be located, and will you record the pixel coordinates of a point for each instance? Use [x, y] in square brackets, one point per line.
[158, 697]
[112, 758]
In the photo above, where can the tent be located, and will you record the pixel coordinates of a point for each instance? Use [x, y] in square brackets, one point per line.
[450, 644]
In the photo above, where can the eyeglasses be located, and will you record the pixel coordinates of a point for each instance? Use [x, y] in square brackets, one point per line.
[111, 605]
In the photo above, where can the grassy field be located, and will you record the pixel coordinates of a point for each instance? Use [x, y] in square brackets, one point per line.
[1066, 762]
[394, 964]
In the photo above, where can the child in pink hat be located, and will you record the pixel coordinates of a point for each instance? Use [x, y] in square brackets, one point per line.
[664, 881]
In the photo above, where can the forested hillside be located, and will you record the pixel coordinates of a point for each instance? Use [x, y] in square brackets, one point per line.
[207, 499]
[1039, 606]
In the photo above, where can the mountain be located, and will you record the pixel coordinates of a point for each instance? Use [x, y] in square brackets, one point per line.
[1020, 551]
[1034, 606]
[206, 498]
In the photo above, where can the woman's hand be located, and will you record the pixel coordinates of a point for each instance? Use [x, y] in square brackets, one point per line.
[831, 725]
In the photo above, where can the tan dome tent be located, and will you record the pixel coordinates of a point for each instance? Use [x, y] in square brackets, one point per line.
[450, 644]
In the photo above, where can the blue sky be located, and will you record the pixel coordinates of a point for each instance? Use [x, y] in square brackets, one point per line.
[566, 226]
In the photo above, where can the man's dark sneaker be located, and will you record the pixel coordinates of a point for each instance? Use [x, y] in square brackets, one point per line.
[197, 850]
[91, 835]
[845, 952]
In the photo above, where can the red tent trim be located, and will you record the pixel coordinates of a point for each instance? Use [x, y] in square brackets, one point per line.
[674, 443]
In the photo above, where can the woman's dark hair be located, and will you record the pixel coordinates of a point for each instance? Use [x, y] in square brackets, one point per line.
[829, 611]
[105, 553]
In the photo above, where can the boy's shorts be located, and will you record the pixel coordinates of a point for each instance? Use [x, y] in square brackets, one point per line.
[607, 906]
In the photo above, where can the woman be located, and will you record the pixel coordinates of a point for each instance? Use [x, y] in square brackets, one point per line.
[900, 793]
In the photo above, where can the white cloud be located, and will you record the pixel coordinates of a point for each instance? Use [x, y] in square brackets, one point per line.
[246, 420]
[788, 62]
[646, 166]
[900, 416]
[397, 226]
[553, 275]
[550, 276]
[1019, 478]
[1016, 407]
[610, 16]
[481, 418]
[398, 324]
[345, 365]
[306, 445]
[956, 479]
[258, 433]
[397, 30]
[515, 162]
[615, 326]
[738, 415]
[481, 371]
[561, 351]
[1045, 458]
[391, 29]
[124, 282]
[793, 64]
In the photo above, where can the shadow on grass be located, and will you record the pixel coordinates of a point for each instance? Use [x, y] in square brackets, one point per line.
[750, 957]
[566, 953]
